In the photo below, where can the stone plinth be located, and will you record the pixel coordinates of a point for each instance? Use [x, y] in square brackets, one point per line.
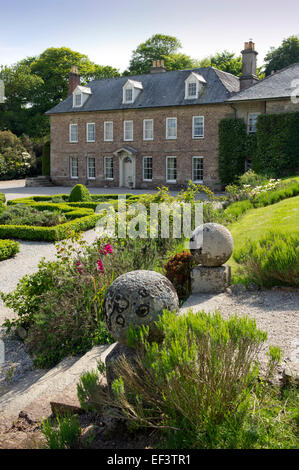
[210, 279]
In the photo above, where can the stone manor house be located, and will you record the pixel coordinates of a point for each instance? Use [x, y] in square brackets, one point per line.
[160, 128]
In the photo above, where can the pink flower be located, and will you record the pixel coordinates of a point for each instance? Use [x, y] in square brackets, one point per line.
[100, 266]
[79, 267]
[108, 248]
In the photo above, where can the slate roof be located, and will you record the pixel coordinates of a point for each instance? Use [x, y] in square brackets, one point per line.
[159, 89]
[278, 85]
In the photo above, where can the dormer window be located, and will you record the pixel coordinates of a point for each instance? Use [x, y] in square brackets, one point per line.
[129, 95]
[131, 90]
[194, 86]
[80, 96]
[78, 99]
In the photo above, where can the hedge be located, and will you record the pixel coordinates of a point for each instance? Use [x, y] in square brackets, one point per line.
[2, 197]
[277, 144]
[232, 139]
[58, 232]
[8, 248]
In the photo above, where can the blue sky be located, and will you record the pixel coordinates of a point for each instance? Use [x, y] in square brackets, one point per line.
[108, 31]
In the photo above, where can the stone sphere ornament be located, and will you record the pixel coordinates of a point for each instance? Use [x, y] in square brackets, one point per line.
[137, 298]
[211, 244]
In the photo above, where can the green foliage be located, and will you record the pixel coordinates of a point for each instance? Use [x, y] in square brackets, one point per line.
[252, 179]
[157, 47]
[199, 387]
[277, 144]
[15, 161]
[2, 197]
[232, 135]
[286, 54]
[88, 391]
[8, 248]
[46, 170]
[271, 260]
[20, 214]
[79, 193]
[62, 434]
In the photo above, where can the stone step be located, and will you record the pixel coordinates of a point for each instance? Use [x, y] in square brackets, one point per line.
[34, 394]
[38, 181]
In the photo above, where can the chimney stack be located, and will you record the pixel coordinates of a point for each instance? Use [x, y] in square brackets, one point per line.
[158, 66]
[74, 79]
[248, 77]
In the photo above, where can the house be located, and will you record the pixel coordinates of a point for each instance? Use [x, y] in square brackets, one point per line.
[160, 128]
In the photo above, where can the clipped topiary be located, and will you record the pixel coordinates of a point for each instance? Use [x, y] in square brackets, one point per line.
[79, 193]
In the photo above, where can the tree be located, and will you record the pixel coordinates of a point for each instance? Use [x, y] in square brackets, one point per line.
[282, 56]
[228, 62]
[157, 47]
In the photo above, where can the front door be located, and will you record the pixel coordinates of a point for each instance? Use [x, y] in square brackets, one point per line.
[128, 173]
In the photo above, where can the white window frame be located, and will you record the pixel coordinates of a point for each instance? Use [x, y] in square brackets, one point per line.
[193, 127]
[75, 105]
[71, 167]
[70, 133]
[248, 122]
[105, 131]
[129, 88]
[143, 168]
[152, 129]
[192, 82]
[167, 128]
[105, 172]
[193, 179]
[94, 132]
[88, 175]
[167, 159]
[125, 123]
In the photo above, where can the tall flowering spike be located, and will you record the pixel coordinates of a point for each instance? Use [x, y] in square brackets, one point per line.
[100, 266]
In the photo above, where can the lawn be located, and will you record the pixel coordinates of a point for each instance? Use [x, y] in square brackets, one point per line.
[257, 222]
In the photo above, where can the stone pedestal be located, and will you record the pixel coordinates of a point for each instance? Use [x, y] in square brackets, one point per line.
[210, 279]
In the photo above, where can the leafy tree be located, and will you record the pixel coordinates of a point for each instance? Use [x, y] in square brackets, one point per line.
[157, 47]
[282, 56]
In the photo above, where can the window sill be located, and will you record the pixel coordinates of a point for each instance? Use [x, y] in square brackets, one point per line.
[90, 141]
[171, 138]
[198, 138]
[197, 181]
[147, 181]
[171, 181]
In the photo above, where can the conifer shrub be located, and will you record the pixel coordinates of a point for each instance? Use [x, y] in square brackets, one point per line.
[80, 193]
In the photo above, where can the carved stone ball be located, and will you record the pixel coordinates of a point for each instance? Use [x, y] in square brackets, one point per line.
[211, 244]
[137, 298]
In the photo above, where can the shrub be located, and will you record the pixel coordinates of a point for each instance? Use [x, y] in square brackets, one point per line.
[252, 179]
[46, 171]
[62, 434]
[8, 248]
[2, 197]
[272, 260]
[15, 161]
[79, 193]
[178, 270]
[199, 386]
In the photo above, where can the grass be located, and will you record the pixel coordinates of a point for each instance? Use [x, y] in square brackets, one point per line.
[257, 222]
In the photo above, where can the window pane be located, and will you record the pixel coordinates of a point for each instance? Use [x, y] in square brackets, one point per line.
[108, 162]
[192, 89]
[252, 120]
[129, 94]
[171, 124]
[128, 130]
[90, 132]
[148, 129]
[78, 100]
[197, 169]
[73, 133]
[198, 126]
[171, 169]
[108, 130]
[74, 167]
[147, 168]
[91, 167]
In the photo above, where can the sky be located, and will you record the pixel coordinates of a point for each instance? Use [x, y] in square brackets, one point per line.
[108, 32]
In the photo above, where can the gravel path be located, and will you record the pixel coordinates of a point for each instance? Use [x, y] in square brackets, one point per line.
[275, 311]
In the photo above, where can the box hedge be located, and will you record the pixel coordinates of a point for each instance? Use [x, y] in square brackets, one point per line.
[8, 248]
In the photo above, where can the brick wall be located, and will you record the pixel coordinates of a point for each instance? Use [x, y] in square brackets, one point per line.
[184, 147]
